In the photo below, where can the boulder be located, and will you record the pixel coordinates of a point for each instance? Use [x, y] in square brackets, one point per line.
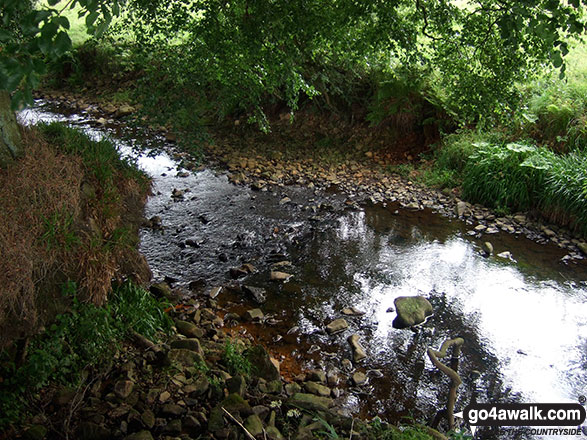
[411, 310]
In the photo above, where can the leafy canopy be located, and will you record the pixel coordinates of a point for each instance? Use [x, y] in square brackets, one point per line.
[29, 36]
[247, 50]
[475, 50]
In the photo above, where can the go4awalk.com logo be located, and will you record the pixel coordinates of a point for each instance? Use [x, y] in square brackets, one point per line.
[560, 418]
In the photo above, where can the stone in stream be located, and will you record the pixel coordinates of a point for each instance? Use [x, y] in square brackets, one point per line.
[358, 350]
[258, 293]
[582, 247]
[337, 326]
[487, 249]
[352, 311]
[254, 315]
[461, 208]
[279, 276]
[411, 310]
[359, 378]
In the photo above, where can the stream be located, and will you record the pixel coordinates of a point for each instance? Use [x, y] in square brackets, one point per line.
[524, 320]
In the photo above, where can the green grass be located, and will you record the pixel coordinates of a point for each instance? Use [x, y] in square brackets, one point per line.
[101, 158]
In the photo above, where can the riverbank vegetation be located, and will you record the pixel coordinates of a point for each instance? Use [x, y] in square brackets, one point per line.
[456, 111]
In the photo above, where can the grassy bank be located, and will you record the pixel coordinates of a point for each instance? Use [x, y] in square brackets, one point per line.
[71, 209]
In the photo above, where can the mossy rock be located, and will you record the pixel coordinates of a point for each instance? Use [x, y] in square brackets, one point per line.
[411, 310]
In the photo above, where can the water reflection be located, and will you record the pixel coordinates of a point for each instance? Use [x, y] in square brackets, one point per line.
[525, 324]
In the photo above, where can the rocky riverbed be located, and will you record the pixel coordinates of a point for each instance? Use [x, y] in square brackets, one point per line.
[361, 175]
[258, 250]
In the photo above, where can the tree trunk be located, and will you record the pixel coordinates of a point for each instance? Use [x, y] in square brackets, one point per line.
[10, 142]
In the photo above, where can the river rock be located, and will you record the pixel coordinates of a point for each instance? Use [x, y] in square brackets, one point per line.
[411, 310]
[192, 344]
[316, 376]
[258, 293]
[93, 431]
[188, 329]
[279, 276]
[358, 350]
[352, 311]
[317, 389]
[123, 388]
[461, 208]
[266, 367]
[337, 326]
[582, 247]
[254, 315]
[292, 388]
[163, 290]
[141, 435]
[487, 248]
[172, 410]
[359, 378]
[185, 357]
[310, 402]
[254, 425]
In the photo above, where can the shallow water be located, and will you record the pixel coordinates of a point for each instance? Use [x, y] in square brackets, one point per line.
[524, 321]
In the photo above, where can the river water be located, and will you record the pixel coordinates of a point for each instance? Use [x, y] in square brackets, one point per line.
[524, 320]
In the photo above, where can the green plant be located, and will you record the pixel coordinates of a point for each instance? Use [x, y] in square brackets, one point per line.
[84, 337]
[234, 359]
[497, 175]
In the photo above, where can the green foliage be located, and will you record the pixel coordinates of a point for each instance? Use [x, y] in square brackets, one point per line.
[84, 337]
[236, 362]
[136, 309]
[565, 194]
[30, 36]
[499, 175]
[242, 55]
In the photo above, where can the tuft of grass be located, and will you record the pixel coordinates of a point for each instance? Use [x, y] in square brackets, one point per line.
[564, 198]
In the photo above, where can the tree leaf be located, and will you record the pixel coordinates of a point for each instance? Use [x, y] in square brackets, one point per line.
[62, 43]
[91, 19]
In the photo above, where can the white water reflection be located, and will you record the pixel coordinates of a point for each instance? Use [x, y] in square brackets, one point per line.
[535, 328]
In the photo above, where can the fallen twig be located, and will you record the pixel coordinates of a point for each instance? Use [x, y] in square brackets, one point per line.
[238, 423]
